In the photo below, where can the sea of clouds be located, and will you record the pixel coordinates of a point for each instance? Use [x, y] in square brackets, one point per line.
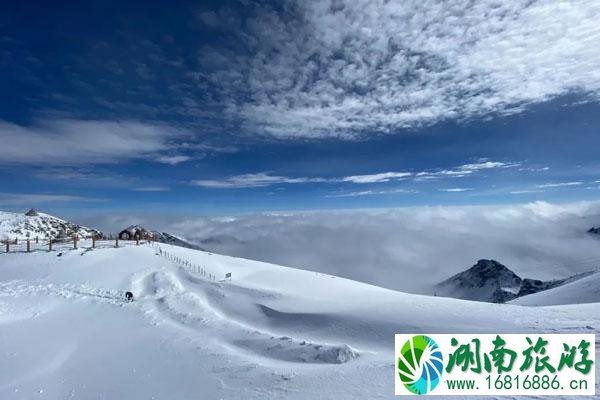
[404, 248]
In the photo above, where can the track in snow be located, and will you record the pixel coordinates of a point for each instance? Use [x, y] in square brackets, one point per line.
[192, 305]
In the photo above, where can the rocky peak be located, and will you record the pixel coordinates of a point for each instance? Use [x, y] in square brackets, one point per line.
[488, 280]
[486, 270]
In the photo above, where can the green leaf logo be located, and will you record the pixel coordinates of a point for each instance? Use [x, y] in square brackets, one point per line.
[420, 364]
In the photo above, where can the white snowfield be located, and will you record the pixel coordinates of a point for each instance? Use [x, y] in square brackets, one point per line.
[270, 332]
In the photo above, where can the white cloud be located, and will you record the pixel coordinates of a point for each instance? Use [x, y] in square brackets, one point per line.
[260, 179]
[345, 67]
[83, 176]
[455, 190]
[151, 189]
[38, 198]
[372, 193]
[534, 169]
[558, 184]
[263, 179]
[526, 191]
[377, 178]
[464, 170]
[208, 18]
[487, 165]
[72, 142]
[173, 160]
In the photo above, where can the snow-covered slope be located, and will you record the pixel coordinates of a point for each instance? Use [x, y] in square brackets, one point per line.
[20, 226]
[269, 332]
[167, 238]
[583, 290]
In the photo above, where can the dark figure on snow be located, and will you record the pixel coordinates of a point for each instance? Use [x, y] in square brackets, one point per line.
[129, 296]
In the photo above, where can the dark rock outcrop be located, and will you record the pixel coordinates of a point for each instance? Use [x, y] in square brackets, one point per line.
[488, 280]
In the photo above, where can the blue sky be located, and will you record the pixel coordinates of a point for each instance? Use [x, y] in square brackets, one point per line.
[241, 106]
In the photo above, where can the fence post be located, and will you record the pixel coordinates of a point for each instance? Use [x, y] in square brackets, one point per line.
[50, 244]
[28, 245]
[75, 242]
[16, 241]
[7, 245]
[137, 241]
[117, 242]
[37, 240]
[93, 241]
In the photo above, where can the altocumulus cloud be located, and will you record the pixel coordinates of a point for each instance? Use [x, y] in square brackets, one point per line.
[341, 68]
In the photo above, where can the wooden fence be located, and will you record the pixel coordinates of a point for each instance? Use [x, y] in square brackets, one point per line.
[30, 244]
[37, 244]
[186, 264]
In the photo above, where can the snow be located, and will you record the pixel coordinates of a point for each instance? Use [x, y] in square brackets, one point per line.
[21, 227]
[584, 290]
[269, 332]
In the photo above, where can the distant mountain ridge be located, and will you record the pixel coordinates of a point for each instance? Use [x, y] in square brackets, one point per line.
[36, 224]
[490, 281]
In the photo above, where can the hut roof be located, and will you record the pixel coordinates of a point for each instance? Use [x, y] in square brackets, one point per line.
[32, 213]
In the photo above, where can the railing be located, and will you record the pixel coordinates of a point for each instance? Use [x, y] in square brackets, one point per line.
[36, 244]
[186, 264]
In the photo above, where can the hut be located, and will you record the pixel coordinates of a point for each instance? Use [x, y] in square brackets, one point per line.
[32, 213]
[133, 232]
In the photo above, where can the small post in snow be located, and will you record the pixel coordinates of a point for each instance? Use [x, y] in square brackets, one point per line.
[37, 240]
[16, 241]
[137, 241]
[50, 244]
[28, 245]
[93, 241]
[75, 241]
[7, 245]
[117, 242]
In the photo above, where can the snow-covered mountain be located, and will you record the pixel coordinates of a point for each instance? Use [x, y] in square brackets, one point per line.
[490, 281]
[268, 332]
[36, 224]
